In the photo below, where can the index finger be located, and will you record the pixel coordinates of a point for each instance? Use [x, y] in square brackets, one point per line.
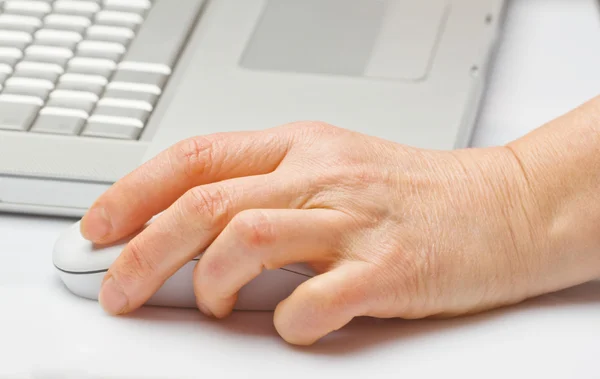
[150, 189]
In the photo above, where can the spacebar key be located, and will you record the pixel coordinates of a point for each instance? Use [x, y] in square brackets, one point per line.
[162, 36]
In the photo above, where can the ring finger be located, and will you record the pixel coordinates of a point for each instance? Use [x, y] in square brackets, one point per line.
[263, 239]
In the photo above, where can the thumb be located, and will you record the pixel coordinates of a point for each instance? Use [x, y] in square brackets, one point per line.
[326, 303]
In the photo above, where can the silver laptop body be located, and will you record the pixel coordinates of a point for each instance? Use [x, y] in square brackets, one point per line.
[93, 88]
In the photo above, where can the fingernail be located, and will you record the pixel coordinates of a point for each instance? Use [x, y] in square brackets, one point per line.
[111, 297]
[97, 224]
[204, 309]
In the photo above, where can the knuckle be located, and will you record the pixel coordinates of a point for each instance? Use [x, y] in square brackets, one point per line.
[254, 229]
[312, 127]
[316, 292]
[323, 297]
[196, 155]
[211, 268]
[317, 126]
[211, 202]
[323, 127]
[137, 263]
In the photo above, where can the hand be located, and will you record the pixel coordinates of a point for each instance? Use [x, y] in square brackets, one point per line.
[392, 231]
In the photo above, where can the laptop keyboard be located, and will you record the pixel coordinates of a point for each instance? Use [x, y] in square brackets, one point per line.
[90, 68]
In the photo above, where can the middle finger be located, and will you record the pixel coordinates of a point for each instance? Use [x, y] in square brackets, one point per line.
[183, 231]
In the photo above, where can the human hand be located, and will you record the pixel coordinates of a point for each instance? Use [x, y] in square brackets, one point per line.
[392, 231]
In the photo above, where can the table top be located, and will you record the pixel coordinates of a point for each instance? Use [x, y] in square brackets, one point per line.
[547, 64]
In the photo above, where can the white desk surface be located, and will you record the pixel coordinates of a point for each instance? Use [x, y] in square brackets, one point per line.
[548, 64]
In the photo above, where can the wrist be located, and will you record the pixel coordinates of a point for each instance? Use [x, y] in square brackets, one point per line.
[559, 166]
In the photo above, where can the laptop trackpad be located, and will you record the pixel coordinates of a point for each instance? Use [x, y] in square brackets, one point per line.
[393, 39]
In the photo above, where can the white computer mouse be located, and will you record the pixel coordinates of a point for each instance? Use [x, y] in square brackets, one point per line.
[82, 265]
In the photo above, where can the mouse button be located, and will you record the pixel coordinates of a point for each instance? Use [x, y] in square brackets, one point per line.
[300, 268]
[73, 253]
[69, 249]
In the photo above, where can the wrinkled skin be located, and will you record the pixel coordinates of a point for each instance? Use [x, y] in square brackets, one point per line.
[392, 231]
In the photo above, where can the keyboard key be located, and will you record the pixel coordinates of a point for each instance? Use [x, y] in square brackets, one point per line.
[113, 127]
[86, 83]
[84, 101]
[38, 70]
[163, 34]
[67, 22]
[134, 87]
[76, 7]
[134, 6]
[126, 103]
[99, 49]
[10, 56]
[120, 19]
[5, 72]
[17, 22]
[32, 91]
[59, 121]
[57, 37]
[15, 38]
[139, 77]
[39, 88]
[48, 54]
[18, 112]
[6, 69]
[73, 98]
[27, 7]
[91, 66]
[130, 109]
[117, 34]
[148, 97]
[29, 82]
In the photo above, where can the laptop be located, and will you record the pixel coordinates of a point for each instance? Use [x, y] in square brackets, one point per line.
[91, 89]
